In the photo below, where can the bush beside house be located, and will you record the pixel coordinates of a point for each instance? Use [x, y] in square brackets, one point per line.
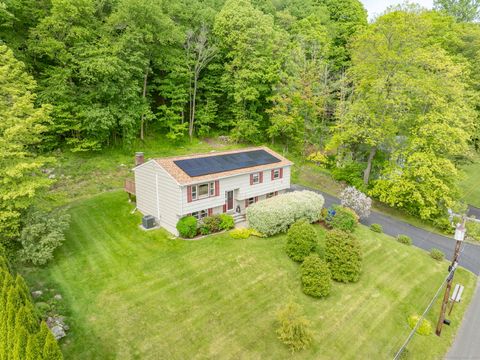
[275, 215]
[188, 226]
[301, 240]
[343, 255]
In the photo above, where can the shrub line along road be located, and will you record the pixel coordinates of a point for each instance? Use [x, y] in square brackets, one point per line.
[467, 341]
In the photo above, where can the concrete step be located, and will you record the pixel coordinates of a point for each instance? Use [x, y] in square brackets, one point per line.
[238, 218]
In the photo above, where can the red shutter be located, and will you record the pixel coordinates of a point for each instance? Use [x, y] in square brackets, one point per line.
[261, 177]
[256, 198]
[251, 179]
[224, 208]
[281, 173]
[189, 194]
[217, 187]
[210, 212]
[246, 203]
[272, 174]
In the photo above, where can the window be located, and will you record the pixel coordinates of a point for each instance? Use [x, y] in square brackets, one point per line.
[256, 178]
[200, 214]
[251, 201]
[202, 191]
[270, 195]
[276, 174]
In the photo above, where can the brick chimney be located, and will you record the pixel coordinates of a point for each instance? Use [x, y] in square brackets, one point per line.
[139, 158]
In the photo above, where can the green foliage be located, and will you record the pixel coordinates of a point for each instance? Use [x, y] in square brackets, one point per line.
[425, 327]
[461, 10]
[344, 256]
[240, 233]
[187, 227]
[294, 329]
[473, 230]
[376, 228]
[212, 223]
[276, 214]
[404, 239]
[437, 254]
[345, 219]
[42, 234]
[21, 131]
[226, 222]
[316, 276]
[351, 173]
[22, 335]
[301, 240]
[444, 224]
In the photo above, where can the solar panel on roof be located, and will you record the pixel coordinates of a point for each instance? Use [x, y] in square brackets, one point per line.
[227, 162]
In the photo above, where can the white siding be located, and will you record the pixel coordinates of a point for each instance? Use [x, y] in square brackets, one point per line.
[240, 183]
[152, 182]
[145, 188]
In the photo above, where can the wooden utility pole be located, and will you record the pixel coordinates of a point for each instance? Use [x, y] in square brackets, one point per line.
[459, 236]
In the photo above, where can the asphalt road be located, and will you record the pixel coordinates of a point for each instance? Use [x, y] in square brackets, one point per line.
[467, 342]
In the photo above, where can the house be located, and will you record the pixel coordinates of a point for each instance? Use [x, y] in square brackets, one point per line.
[206, 184]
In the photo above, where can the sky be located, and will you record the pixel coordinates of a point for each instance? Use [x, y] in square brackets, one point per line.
[376, 7]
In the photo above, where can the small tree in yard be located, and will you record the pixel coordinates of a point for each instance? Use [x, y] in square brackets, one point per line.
[301, 240]
[357, 201]
[343, 255]
[42, 234]
[316, 276]
[294, 330]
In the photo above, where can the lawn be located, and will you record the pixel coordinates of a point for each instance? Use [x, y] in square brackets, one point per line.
[132, 294]
[471, 183]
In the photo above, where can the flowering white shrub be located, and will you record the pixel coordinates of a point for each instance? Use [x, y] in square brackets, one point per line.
[276, 214]
[357, 201]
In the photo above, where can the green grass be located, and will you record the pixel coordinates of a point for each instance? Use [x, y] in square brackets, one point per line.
[141, 295]
[471, 183]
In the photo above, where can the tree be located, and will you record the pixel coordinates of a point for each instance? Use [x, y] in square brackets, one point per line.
[21, 130]
[356, 200]
[294, 329]
[246, 39]
[316, 276]
[301, 240]
[343, 255]
[461, 10]
[200, 52]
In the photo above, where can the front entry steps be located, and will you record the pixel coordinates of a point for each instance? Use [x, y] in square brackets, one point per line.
[238, 218]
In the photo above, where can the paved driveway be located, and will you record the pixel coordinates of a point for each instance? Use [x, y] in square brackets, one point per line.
[467, 342]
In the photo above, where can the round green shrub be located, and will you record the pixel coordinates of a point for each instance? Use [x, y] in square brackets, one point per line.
[212, 223]
[187, 227]
[301, 240]
[437, 254]
[226, 222]
[316, 276]
[343, 255]
[376, 228]
[425, 327]
[345, 219]
[404, 239]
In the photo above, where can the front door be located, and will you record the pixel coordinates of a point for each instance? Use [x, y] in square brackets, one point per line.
[229, 196]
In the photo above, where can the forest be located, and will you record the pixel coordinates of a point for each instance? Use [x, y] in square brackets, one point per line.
[390, 106]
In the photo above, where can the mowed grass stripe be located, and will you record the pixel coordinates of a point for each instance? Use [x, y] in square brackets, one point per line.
[141, 295]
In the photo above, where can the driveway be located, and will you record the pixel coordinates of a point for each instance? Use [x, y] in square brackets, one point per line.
[467, 342]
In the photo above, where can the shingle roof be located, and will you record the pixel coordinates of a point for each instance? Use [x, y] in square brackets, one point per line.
[183, 178]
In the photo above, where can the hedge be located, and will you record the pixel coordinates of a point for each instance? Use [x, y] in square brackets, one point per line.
[316, 276]
[187, 227]
[437, 254]
[343, 255]
[404, 239]
[376, 228]
[301, 240]
[22, 334]
[275, 215]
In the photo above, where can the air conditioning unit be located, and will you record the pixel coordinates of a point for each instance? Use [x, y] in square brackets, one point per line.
[148, 222]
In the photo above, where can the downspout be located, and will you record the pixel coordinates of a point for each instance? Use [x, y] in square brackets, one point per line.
[158, 198]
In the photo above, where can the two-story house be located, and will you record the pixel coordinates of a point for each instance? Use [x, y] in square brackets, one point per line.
[206, 184]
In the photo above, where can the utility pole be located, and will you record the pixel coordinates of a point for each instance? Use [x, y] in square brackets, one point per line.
[459, 236]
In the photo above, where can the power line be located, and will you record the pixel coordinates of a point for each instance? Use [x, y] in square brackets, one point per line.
[410, 336]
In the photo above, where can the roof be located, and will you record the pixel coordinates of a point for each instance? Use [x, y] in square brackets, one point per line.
[181, 176]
